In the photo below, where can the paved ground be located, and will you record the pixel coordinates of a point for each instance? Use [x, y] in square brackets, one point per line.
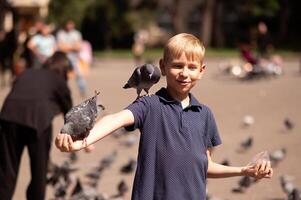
[268, 101]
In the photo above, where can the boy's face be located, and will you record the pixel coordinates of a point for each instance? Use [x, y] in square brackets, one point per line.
[181, 74]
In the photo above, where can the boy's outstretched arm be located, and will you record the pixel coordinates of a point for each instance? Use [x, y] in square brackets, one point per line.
[102, 128]
[258, 171]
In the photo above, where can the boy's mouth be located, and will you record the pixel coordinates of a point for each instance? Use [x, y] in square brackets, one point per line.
[184, 82]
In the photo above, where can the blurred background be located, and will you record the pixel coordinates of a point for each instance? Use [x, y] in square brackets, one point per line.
[112, 24]
[252, 83]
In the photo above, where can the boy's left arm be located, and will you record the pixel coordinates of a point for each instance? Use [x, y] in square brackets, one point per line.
[258, 171]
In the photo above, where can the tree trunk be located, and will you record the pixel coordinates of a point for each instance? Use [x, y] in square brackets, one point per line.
[179, 16]
[284, 17]
[219, 36]
[207, 22]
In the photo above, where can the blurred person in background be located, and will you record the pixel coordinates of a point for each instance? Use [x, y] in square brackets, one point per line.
[43, 45]
[8, 48]
[140, 40]
[69, 40]
[264, 43]
[36, 97]
[27, 54]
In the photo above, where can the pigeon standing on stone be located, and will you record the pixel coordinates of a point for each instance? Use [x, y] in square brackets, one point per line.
[81, 118]
[143, 78]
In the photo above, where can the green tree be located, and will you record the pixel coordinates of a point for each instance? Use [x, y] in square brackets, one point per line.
[106, 23]
[62, 10]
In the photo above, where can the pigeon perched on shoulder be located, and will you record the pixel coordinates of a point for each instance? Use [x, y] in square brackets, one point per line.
[143, 78]
[81, 118]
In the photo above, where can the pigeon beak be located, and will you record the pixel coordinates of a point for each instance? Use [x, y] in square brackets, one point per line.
[150, 76]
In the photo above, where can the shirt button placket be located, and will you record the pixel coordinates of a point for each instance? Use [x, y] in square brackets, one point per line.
[183, 122]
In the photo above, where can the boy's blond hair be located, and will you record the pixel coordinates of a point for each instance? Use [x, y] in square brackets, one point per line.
[187, 43]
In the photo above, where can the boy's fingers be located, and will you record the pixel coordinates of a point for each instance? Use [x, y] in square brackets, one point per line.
[59, 140]
[262, 167]
[70, 142]
[270, 173]
[65, 143]
[268, 167]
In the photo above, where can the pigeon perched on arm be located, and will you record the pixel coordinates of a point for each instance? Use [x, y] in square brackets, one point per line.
[81, 118]
[143, 78]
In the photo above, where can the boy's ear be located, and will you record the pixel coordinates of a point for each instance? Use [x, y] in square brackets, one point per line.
[162, 67]
[202, 70]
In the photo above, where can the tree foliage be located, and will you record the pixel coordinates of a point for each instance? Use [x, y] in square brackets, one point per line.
[112, 23]
[62, 10]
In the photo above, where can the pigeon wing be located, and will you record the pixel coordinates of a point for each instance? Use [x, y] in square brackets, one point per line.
[156, 75]
[135, 78]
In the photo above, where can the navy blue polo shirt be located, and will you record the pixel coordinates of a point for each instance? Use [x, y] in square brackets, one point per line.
[172, 161]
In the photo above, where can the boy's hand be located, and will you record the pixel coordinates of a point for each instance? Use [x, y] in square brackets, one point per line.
[65, 143]
[260, 170]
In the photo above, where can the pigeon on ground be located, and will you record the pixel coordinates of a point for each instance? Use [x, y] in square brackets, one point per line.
[81, 118]
[77, 188]
[225, 162]
[246, 144]
[73, 157]
[94, 175]
[248, 120]
[130, 140]
[62, 172]
[243, 184]
[120, 132]
[143, 78]
[295, 195]
[60, 191]
[108, 160]
[277, 156]
[286, 184]
[84, 192]
[122, 189]
[129, 167]
[289, 125]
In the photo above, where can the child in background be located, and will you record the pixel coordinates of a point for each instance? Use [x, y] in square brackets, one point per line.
[178, 133]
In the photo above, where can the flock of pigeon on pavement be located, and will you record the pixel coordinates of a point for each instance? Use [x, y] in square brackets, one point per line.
[81, 119]
[275, 157]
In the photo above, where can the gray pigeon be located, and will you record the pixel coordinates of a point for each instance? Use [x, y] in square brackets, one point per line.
[143, 78]
[81, 118]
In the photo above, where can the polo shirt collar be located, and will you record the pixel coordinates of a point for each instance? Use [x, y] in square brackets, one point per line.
[163, 95]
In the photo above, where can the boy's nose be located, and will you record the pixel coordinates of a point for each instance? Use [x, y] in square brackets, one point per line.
[184, 71]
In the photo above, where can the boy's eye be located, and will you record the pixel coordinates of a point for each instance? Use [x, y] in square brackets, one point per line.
[192, 67]
[177, 66]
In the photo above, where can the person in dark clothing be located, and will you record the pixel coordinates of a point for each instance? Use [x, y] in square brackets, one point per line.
[36, 97]
[8, 47]
[264, 44]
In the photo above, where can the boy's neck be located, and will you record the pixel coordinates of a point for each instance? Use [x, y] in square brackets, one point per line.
[183, 98]
[185, 102]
